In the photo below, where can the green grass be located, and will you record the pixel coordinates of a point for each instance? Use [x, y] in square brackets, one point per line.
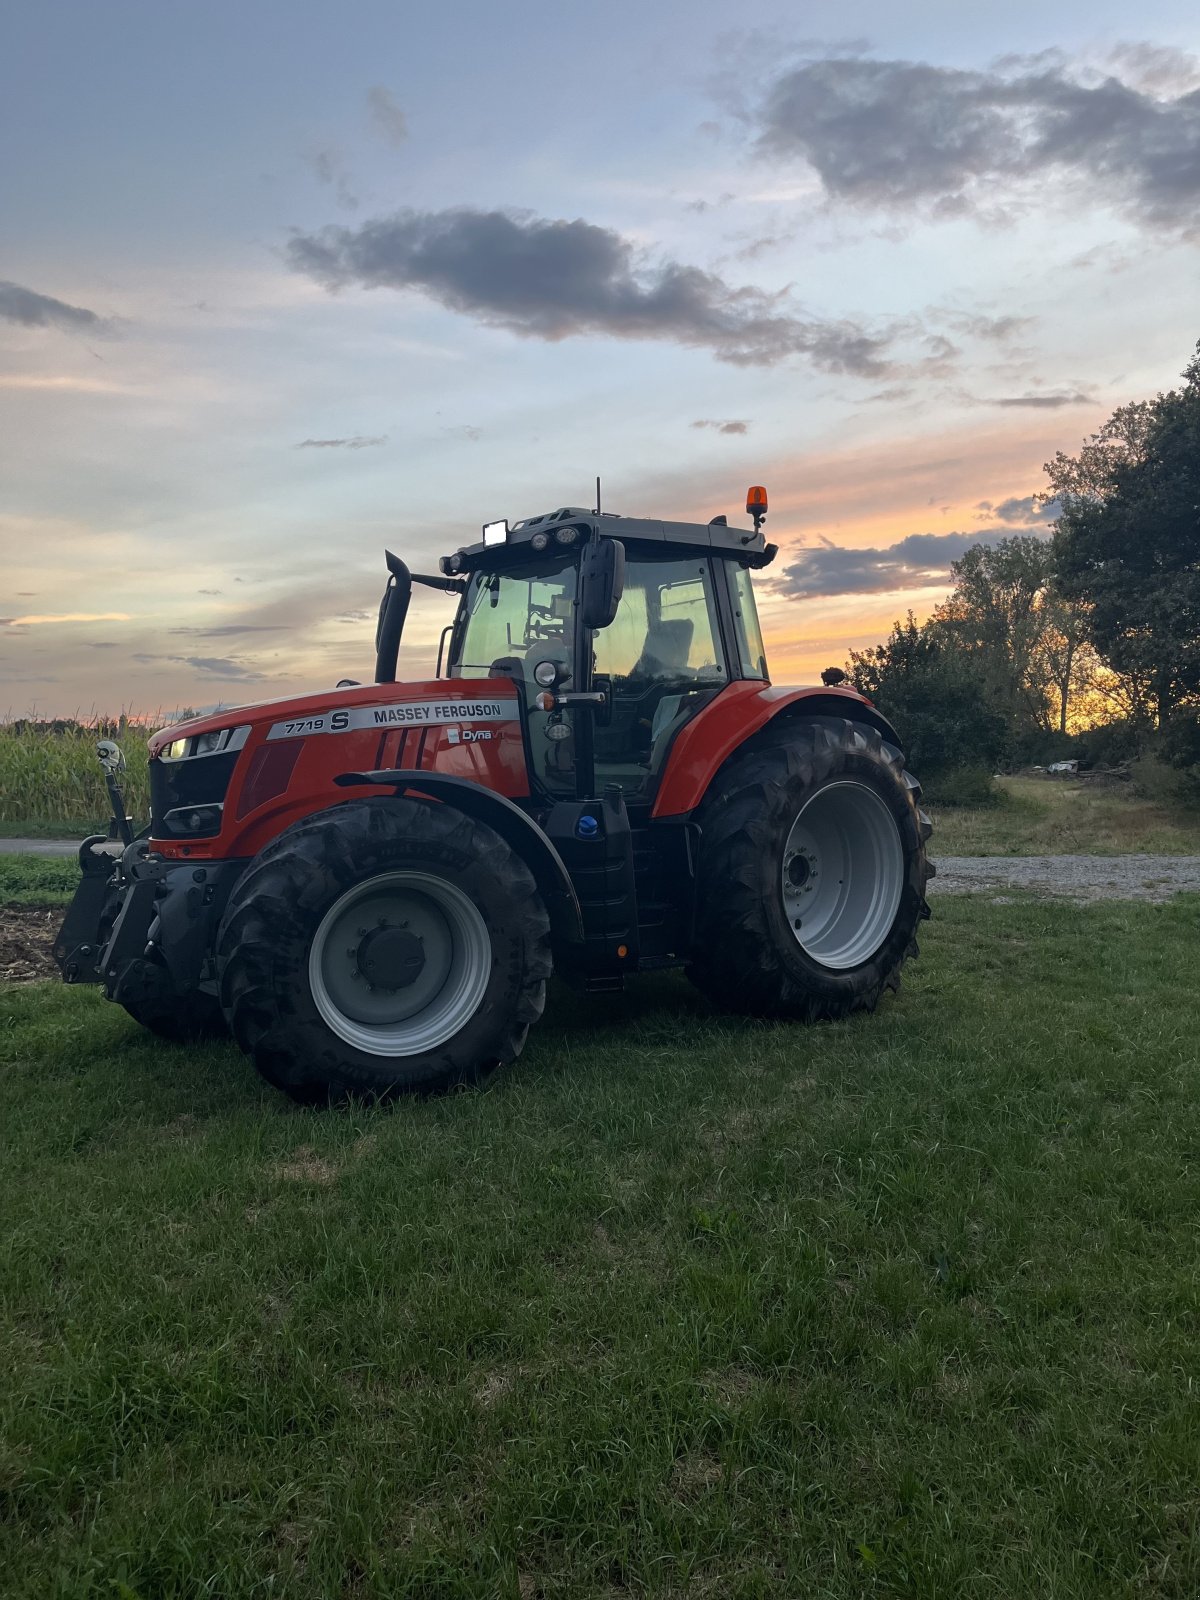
[1039, 816]
[37, 880]
[680, 1305]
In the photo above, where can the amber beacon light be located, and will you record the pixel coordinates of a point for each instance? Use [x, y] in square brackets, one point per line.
[756, 505]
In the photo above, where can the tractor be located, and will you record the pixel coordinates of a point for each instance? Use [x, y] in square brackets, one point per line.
[369, 886]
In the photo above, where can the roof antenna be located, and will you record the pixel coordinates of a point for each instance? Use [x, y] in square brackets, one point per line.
[597, 494]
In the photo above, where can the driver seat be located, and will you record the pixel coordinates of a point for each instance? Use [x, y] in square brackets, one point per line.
[666, 649]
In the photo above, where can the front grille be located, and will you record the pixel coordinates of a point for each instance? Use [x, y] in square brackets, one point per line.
[198, 781]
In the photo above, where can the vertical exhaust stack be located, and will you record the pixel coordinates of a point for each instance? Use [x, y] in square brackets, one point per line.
[393, 609]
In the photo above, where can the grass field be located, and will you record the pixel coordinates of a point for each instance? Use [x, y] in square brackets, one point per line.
[680, 1305]
[37, 880]
[1038, 816]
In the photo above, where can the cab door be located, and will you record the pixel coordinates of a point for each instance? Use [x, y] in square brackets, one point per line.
[659, 662]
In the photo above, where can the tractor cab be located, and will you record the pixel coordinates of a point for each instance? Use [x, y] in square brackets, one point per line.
[616, 631]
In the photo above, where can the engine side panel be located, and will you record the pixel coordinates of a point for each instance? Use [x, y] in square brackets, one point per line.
[726, 722]
[463, 728]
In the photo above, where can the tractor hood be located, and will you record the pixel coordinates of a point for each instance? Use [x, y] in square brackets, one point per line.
[360, 705]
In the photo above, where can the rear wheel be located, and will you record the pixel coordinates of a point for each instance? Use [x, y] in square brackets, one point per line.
[812, 873]
[384, 945]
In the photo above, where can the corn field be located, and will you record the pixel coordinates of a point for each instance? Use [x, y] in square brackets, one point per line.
[49, 775]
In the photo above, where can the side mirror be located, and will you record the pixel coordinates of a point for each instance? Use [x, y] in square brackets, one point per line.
[601, 581]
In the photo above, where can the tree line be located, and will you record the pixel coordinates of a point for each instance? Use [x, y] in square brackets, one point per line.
[1086, 643]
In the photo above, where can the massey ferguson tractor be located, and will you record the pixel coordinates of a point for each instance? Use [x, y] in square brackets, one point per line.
[370, 886]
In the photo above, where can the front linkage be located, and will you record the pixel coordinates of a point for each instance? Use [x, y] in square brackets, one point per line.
[140, 926]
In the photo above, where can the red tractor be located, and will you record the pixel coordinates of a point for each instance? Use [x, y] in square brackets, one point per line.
[371, 885]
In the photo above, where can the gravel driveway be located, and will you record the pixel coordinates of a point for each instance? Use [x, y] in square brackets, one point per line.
[1083, 878]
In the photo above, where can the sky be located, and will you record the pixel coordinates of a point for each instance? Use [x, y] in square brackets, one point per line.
[283, 284]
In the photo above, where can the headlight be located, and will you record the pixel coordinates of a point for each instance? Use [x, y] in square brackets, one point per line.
[540, 541]
[205, 744]
[566, 535]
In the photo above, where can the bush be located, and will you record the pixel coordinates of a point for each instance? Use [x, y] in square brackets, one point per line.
[1038, 747]
[1111, 744]
[1179, 747]
[962, 786]
[937, 698]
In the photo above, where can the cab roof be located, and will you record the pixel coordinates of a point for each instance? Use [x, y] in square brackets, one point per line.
[714, 538]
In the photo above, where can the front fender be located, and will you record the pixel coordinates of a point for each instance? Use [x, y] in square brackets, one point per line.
[513, 825]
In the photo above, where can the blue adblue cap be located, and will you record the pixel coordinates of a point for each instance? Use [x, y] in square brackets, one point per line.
[587, 827]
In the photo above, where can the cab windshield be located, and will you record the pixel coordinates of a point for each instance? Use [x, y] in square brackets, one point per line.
[511, 621]
[515, 619]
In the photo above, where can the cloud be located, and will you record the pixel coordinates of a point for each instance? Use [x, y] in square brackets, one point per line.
[387, 118]
[223, 667]
[1042, 401]
[978, 325]
[910, 136]
[1026, 510]
[920, 561]
[61, 383]
[722, 427]
[67, 616]
[556, 279]
[231, 630]
[330, 167]
[360, 441]
[32, 310]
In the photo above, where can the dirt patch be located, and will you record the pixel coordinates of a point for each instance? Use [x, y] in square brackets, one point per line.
[26, 935]
[693, 1475]
[306, 1166]
[494, 1385]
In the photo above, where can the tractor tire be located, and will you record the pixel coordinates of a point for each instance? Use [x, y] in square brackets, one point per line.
[812, 873]
[385, 945]
[190, 1019]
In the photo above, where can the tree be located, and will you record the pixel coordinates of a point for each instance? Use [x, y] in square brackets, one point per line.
[996, 612]
[937, 692]
[1063, 661]
[1127, 543]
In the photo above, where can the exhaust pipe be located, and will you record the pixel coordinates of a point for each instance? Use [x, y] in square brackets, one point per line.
[393, 609]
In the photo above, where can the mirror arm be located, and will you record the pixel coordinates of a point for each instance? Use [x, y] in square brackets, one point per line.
[446, 585]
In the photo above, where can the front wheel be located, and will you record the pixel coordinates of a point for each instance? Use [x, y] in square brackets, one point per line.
[381, 946]
[186, 1019]
[812, 873]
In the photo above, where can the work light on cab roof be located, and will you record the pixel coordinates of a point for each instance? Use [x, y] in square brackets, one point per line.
[369, 885]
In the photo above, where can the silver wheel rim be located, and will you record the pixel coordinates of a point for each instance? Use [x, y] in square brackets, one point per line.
[399, 963]
[842, 875]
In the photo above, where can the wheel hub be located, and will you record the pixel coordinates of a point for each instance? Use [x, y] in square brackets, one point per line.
[391, 958]
[799, 868]
[399, 963]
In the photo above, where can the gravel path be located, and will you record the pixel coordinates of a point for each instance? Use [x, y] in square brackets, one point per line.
[1083, 878]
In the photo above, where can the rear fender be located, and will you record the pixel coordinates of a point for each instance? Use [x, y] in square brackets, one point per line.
[741, 710]
[509, 821]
